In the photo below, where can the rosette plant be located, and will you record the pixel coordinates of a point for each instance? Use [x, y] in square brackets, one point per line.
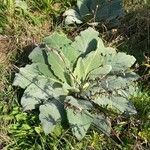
[95, 11]
[77, 83]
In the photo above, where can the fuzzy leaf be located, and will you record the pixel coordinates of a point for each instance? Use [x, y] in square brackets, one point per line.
[78, 116]
[112, 83]
[102, 123]
[116, 102]
[31, 73]
[38, 55]
[60, 42]
[100, 72]
[26, 76]
[45, 70]
[50, 115]
[79, 71]
[78, 104]
[86, 41]
[72, 16]
[58, 65]
[39, 92]
[85, 65]
[92, 61]
[79, 122]
[120, 62]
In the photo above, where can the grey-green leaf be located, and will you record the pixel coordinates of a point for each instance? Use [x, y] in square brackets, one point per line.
[102, 123]
[92, 61]
[26, 76]
[100, 72]
[120, 62]
[78, 104]
[117, 103]
[58, 65]
[50, 115]
[38, 55]
[39, 92]
[86, 41]
[79, 122]
[60, 42]
[72, 16]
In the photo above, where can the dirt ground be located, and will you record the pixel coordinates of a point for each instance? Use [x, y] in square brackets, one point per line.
[5, 47]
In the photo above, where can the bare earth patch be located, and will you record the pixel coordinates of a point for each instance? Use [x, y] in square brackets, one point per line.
[5, 45]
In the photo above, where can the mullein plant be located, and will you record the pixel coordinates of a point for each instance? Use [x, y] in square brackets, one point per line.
[77, 83]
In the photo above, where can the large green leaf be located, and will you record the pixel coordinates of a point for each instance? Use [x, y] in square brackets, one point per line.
[31, 73]
[79, 122]
[100, 72]
[58, 65]
[114, 83]
[39, 92]
[78, 116]
[85, 65]
[38, 55]
[78, 104]
[86, 41]
[117, 103]
[102, 123]
[50, 114]
[120, 62]
[114, 91]
[60, 42]
[79, 71]
[26, 76]
[45, 70]
[92, 61]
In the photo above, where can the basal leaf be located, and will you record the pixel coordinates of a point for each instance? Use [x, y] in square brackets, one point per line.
[39, 92]
[78, 116]
[90, 62]
[60, 42]
[57, 40]
[38, 55]
[45, 70]
[116, 103]
[79, 122]
[72, 16]
[79, 71]
[58, 65]
[100, 72]
[102, 123]
[78, 104]
[112, 83]
[50, 115]
[26, 76]
[120, 62]
[86, 41]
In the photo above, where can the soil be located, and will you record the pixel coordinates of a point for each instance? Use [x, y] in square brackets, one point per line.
[5, 47]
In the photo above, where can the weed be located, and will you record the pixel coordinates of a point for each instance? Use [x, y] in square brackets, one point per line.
[28, 24]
